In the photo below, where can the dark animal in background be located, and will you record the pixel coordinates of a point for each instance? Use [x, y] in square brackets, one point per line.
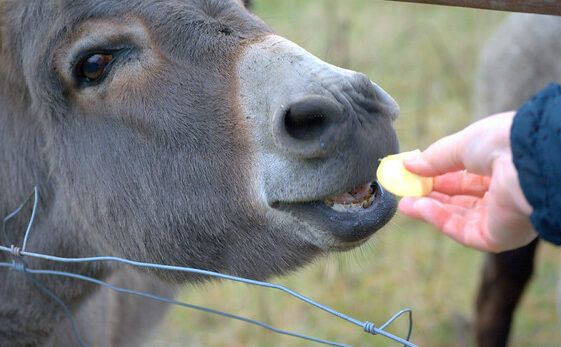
[180, 132]
[519, 60]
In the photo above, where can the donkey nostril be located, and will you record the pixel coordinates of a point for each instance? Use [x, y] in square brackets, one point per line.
[305, 126]
[310, 127]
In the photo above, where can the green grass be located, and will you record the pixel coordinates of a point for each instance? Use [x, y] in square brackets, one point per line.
[425, 57]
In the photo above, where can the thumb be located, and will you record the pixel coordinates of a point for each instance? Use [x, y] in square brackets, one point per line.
[441, 157]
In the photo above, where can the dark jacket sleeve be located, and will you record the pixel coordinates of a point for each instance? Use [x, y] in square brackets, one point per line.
[536, 151]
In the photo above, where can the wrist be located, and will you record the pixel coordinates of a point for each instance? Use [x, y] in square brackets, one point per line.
[509, 175]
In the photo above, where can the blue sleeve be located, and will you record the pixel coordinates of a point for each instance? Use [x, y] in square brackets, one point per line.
[536, 151]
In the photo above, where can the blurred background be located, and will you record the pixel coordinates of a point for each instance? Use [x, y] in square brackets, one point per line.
[425, 57]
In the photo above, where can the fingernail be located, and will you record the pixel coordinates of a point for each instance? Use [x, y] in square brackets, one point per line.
[414, 158]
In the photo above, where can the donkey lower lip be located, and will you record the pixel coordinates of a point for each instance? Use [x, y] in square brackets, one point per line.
[348, 223]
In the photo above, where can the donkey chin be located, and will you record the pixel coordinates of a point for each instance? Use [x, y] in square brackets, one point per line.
[319, 131]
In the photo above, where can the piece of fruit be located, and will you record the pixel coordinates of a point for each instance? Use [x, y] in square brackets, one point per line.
[395, 178]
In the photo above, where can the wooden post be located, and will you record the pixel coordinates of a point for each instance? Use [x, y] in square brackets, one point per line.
[533, 6]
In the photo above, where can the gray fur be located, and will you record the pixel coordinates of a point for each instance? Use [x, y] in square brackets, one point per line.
[155, 163]
[521, 58]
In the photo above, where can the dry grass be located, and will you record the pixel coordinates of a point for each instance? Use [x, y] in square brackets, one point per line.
[425, 57]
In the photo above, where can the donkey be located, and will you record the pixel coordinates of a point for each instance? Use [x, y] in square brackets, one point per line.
[520, 59]
[182, 132]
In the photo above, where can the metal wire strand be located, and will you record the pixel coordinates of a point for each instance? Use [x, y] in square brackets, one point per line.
[59, 301]
[366, 326]
[166, 300]
[35, 194]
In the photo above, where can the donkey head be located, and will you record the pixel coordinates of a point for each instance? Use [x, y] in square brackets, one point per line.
[188, 133]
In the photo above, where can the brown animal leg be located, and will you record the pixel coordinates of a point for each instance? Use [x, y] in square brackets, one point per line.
[504, 278]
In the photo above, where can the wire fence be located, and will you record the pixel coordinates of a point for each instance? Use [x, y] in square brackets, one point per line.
[18, 264]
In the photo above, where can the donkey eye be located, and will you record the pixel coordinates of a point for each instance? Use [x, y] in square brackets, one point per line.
[93, 67]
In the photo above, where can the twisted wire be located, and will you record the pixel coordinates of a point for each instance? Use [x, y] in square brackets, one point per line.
[15, 251]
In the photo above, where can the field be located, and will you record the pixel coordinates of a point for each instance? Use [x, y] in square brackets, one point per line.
[425, 57]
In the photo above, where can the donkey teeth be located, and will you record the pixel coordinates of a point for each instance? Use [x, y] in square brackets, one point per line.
[365, 203]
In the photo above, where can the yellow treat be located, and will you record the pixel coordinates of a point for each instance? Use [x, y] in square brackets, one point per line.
[395, 178]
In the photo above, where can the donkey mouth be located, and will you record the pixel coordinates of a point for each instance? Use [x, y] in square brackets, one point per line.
[350, 217]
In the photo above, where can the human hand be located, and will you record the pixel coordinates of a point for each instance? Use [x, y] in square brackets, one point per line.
[476, 198]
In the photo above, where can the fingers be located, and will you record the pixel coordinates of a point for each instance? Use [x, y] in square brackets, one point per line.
[461, 201]
[462, 183]
[430, 209]
[467, 226]
[460, 205]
